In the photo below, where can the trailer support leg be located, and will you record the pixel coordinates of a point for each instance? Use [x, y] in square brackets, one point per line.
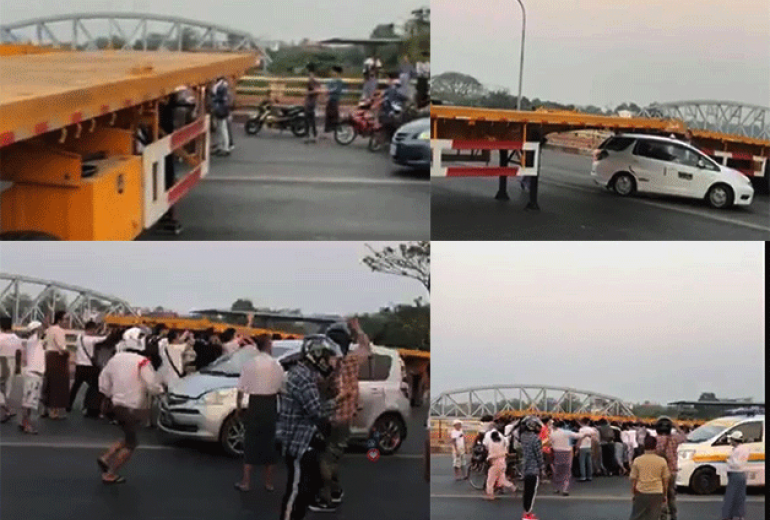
[502, 189]
[532, 204]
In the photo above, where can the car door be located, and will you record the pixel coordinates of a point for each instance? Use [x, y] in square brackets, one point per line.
[649, 160]
[372, 379]
[690, 174]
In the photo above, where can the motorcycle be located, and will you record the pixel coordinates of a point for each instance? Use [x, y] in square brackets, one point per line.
[362, 121]
[270, 115]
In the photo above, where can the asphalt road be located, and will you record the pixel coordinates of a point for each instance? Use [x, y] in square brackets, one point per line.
[572, 207]
[275, 187]
[605, 498]
[54, 476]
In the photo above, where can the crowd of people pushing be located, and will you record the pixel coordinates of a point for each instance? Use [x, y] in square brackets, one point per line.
[547, 448]
[303, 414]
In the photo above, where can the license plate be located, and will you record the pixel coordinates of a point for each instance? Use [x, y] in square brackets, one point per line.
[393, 149]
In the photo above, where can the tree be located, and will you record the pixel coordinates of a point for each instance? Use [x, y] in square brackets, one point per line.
[411, 259]
[384, 30]
[400, 326]
[707, 396]
[242, 304]
[454, 87]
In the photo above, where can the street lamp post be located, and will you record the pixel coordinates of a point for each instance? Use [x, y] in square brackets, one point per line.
[502, 190]
[521, 62]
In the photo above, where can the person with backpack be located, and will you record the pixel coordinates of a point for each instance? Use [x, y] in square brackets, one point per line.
[220, 107]
[86, 370]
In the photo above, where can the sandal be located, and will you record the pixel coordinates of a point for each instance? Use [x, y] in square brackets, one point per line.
[116, 480]
[240, 487]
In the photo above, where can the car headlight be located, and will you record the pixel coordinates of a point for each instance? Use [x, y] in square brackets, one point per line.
[686, 454]
[424, 135]
[215, 397]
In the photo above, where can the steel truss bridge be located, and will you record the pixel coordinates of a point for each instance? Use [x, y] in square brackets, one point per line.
[177, 33]
[718, 116]
[470, 403]
[25, 299]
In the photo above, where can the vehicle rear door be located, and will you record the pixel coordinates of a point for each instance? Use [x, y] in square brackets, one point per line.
[649, 161]
[372, 380]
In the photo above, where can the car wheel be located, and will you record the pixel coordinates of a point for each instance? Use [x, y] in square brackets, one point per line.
[391, 430]
[232, 436]
[720, 196]
[344, 133]
[624, 184]
[704, 481]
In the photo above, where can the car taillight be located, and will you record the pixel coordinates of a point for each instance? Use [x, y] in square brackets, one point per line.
[600, 154]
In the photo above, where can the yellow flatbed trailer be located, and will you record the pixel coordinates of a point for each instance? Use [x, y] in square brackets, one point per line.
[479, 131]
[68, 127]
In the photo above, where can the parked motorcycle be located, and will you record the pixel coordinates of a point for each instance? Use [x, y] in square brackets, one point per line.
[362, 121]
[269, 115]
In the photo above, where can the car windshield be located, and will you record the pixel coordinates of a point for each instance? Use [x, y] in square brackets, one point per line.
[706, 432]
[231, 364]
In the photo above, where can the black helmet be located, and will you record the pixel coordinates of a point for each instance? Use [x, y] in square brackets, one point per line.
[317, 351]
[532, 424]
[664, 425]
[340, 334]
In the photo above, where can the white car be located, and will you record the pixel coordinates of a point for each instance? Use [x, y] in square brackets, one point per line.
[628, 163]
[703, 458]
[202, 405]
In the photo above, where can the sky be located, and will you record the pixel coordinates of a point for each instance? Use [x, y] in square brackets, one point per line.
[604, 52]
[635, 320]
[316, 277]
[285, 20]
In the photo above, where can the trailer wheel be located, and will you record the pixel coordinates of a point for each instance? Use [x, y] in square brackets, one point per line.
[27, 235]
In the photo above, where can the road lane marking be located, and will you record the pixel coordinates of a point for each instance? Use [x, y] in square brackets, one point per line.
[679, 498]
[101, 446]
[724, 220]
[318, 180]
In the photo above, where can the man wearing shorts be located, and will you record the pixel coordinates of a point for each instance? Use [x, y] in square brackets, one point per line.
[125, 380]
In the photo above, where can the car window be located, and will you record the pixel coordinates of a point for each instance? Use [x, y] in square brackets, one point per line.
[376, 368]
[616, 144]
[231, 363]
[752, 432]
[685, 156]
[659, 150]
[705, 432]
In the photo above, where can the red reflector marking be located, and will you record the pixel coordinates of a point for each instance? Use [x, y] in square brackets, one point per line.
[7, 138]
[486, 145]
[184, 186]
[41, 128]
[491, 171]
[77, 117]
[743, 156]
[187, 133]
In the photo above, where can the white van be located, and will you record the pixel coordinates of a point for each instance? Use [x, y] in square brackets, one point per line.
[703, 458]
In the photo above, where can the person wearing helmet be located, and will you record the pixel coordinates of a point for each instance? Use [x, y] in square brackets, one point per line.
[734, 503]
[668, 440]
[304, 424]
[345, 378]
[533, 464]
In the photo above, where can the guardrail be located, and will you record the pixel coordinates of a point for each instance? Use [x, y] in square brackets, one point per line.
[250, 90]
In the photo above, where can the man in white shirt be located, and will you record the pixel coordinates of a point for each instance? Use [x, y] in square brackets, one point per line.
[586, 464]
[261, 379]
[457, 437]
[9, 344]
[34, 370]
[125, 381]
[497, 451]
[85, 370]
[734, 504]
[562, 441]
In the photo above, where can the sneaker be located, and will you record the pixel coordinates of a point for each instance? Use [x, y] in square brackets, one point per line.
[337, 497]
[565, 493]
[322, 507]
